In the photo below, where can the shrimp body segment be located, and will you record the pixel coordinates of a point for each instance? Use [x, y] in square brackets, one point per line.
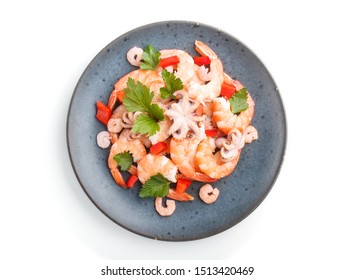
[151, 165]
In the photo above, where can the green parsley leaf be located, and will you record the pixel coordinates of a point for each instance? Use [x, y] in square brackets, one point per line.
[172, 84]
[145, 124]
[151, 58]
[124, 160]
[137, 97]
[156, 112]
[156, 186]
[238, 101]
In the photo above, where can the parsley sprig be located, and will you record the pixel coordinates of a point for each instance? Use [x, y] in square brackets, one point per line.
[151, 58]
[172, 84]
[156, 186]
[124, 160]
[138, 98]
[238, 101]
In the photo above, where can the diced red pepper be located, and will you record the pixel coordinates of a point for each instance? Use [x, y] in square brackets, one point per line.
[168, 61]
[131, 181]
[182, 185]
[201, 60]
[227, 90]
[211, 132]
[104, 113]
[158, 148]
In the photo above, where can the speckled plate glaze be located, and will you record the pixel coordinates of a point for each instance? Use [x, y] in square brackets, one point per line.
[240, 193]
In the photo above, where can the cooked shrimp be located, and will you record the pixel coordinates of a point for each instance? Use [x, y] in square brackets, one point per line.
[185, 67]
[135, 55]
[114, 125]
[165, 211]
[226, 121]
[183, 154]
[203, 49]
[215, 76]
[212, 164]
[208, 194]
[212, 89]
[236, 83]
[103, 139]
[123, 144]
[150, 78]
[151, 165]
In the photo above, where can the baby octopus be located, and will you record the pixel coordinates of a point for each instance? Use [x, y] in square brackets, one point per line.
[183, 114]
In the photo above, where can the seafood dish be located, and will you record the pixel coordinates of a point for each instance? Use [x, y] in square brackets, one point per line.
[174, 120]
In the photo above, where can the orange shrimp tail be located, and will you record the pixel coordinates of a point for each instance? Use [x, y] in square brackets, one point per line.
[198, 176]
[118, 178]
[115, 95]
[179, 196]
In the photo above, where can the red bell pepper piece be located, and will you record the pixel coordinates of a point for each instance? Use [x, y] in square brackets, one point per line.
[201, 60]
[104, 113]
[158, 148]
[131, 181]
[227, 90]
[182, 185]
[168, 61]
[211, 132]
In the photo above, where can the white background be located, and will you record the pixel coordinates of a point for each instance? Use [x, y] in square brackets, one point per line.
[49, 228]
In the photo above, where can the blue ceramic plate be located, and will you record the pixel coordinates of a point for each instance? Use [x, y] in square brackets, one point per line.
[240, 193]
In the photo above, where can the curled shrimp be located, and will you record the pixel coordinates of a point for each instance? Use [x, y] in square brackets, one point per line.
[123, 144]
[212, 163]
[215, 76]
[185, 67]
[208, 194]
[165, 211]
[183, 155]
[151, 165]
[226, 121]
[135, 55]
[103, 139]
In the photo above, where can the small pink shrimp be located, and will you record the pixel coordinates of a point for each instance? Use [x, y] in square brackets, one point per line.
[135, 55]
[165, 211]
[208, 194]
